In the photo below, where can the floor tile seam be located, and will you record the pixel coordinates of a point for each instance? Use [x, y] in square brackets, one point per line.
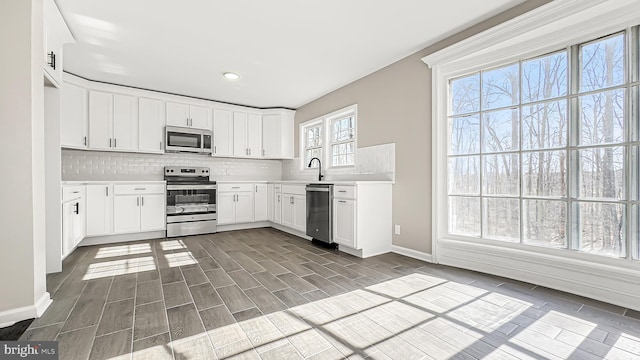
[133, 320]
[204, 328]
[166, 316]
[70, 311]
[93, 341]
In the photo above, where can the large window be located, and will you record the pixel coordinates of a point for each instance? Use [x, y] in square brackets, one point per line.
[544, 151]
[338, 131]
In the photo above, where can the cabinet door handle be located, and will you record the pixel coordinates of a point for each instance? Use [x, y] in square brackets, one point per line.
[84, 141]
[137, 201]
[160, 145]
[52, 59]
[278, 198]
[142, 200]
[77, 210]
[106, 191]
[115, 142]
[109, 142]
[262, 152]
[214, 149]
[249, 151]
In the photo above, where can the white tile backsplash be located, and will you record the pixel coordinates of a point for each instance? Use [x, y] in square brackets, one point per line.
[376, 162]
[79, 165]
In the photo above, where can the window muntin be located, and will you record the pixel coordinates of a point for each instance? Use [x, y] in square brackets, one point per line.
[541, 157]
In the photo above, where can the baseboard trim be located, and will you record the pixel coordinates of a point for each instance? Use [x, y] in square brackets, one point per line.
[412, 253]
[12, 316]
[573, 274]
[244, 226]
[113, 239]
[289, 231]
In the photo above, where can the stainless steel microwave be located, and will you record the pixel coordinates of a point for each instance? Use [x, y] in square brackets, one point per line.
[180, 139]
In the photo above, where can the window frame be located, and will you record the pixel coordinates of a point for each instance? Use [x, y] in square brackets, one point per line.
[510, 42]
[326, 121]
[315, 123]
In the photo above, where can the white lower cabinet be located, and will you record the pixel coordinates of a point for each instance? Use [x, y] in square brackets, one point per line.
[99, 201]
[362, 218]
[126, 213]
[294, 211]
[260, 203]
[235, 203]
[344, 222]
[73, 218]
[138, 208]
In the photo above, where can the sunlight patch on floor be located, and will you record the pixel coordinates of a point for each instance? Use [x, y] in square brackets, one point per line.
[123, 250]
[119, 267]
[180, 259]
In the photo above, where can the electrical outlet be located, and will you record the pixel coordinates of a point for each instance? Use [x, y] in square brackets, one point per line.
[397, 229]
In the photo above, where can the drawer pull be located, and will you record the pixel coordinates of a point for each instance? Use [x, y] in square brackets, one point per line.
[75, 192]
[342, 201]
[140, 189]
[235, 187]
[342, 191]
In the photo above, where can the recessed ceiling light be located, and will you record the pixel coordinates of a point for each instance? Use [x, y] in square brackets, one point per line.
[231, 76]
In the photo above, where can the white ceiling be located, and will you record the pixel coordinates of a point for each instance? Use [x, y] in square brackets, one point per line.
[287, 52]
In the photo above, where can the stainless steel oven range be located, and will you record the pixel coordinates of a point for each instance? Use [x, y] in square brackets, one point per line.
[191, 201]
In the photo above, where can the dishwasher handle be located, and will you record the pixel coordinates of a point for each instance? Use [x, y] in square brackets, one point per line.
[318, 188]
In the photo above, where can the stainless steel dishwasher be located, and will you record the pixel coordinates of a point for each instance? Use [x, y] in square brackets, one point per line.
[320, 214]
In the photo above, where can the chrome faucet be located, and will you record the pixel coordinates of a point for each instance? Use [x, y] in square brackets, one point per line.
[320, 176]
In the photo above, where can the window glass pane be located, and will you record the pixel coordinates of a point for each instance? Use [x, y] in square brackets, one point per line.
[310, 154]
[500, 131]
[465, 94]
[343, 129]
[464, 216]
[501, 219]
[602, 63]
[544, 125]
[602, 173]
[500, 174]
[464, 175]
[602, 229]
[544, 173]
[500, 87]
[544, 223]
[602, 117]
[544, 77]
[465, 135]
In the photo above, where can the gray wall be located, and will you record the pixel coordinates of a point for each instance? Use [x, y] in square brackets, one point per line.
[394, 105]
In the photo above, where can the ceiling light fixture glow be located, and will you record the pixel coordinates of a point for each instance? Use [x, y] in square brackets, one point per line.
[231, 76]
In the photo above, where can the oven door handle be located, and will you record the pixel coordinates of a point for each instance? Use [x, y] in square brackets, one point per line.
[192, 187]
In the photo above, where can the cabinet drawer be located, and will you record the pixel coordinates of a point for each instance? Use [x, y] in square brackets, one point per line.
[277, 188]
[72, 192]
[294, 189]
[235, 187]
[344, 192]
[133, 189]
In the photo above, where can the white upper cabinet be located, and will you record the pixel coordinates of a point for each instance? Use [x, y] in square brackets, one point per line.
[115, 118]
[185, 115]
[113, 121]
[125, 122]
[277, 136]
[100, 120]
[247, 135]
[150, 125]
[73, 116]
[55, 35]
[222, 133]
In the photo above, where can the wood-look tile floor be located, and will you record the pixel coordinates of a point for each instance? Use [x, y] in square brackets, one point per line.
[263, 294]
